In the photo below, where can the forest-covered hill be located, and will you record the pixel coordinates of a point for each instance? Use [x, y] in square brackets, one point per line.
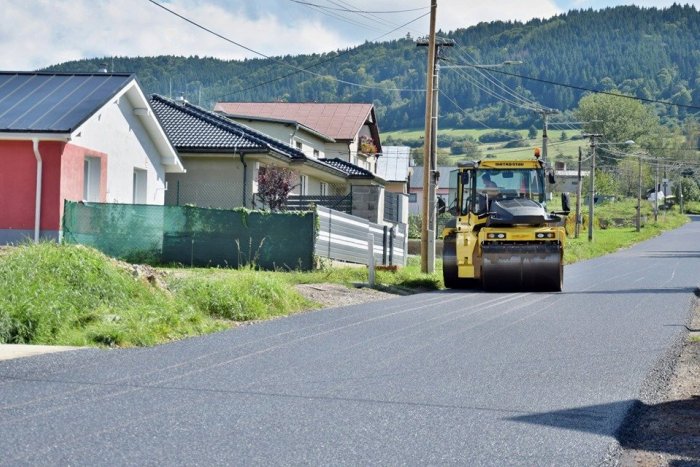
[647, 52]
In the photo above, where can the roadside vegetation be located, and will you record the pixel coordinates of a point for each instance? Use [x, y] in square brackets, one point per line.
[61, 294]
[74, 295]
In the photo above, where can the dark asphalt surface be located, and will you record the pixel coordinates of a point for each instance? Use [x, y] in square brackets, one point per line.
[449, 377]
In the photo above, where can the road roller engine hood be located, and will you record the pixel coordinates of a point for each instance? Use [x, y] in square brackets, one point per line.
[519, 211]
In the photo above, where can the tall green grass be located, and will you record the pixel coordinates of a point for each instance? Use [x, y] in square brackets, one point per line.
[74, 295]
[240, 295]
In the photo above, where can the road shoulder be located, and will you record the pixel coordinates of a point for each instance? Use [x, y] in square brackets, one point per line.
[666, 432]
[12, 351]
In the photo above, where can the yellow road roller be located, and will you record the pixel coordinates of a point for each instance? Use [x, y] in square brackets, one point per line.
[501, 236]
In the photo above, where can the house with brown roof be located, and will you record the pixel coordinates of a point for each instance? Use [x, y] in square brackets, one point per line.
[224, 157]
[321, 130]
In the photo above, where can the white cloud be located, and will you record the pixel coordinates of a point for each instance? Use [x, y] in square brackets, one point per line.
[454, 14]
[46, 32]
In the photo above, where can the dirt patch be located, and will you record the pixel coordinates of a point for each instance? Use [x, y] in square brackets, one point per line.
[328, 294]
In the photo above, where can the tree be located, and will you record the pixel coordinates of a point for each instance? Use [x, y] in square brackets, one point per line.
[689, 188]
[605, 183]
[618, 119]
[469, 149]
[532, 132]
[274, 186]
[628, 177]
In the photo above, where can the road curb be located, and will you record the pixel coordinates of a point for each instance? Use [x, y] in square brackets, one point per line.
[12, 351]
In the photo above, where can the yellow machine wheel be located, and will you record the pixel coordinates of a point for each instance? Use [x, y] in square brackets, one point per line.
[450, 269]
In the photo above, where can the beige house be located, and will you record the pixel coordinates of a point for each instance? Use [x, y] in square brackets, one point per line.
[348, 132]
[223, 159]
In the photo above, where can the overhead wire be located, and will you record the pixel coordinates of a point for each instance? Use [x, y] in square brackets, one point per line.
[360, 11]
[313, 65]
[281, 62]
[609, 93]
[483, 72]
[515, 99]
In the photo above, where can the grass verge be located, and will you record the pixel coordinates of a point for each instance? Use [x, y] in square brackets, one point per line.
[612, 239]
[73, 295]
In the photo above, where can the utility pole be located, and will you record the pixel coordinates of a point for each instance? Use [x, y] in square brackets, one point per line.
[591, 200]
[578, 197]
[427, 240]
[656, 193]
[639, 197]
[545, 113]
[680, 192]
[665, 183]
[430, 172]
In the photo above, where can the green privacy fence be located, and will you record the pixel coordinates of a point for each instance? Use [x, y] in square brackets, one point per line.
[193, 236]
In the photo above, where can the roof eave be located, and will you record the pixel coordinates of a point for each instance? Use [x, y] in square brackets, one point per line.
[6, 135]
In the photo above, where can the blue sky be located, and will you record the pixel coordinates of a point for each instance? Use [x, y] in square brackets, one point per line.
[46, 32]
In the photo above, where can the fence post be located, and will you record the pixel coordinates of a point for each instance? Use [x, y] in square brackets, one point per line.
[391, 246]
[384, 246]
[370, 262]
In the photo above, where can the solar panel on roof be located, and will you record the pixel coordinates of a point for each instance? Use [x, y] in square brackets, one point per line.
[54, 102]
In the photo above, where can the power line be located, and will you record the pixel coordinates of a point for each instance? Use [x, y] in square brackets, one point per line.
[358, 11]
[526, 103]
[281, 62]
[581, 88]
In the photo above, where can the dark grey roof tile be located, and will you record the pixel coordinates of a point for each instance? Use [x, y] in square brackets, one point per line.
[351, 170]
[193, 128]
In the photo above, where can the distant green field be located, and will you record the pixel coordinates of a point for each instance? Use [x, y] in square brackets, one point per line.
[557, 149]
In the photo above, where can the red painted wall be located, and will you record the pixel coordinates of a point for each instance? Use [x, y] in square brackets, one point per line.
[62, 178]
[18, 184]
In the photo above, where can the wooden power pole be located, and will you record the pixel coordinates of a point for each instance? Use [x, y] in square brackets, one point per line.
[427, 243]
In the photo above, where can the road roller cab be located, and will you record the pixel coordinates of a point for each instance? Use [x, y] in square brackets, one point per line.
[501, 235]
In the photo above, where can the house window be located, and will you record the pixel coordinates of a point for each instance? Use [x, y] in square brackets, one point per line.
[412, 198]
[324, 189]
[92, 168]
[316, 153]
[303, 184]
[139, 194]
[298, 145]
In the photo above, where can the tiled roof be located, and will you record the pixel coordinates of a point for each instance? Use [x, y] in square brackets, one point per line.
[351, 170]
[192, 128]
[336, 120]
[394, 164]
[40, 102]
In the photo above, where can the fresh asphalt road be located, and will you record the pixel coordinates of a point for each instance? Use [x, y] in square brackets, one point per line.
[438, 378]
